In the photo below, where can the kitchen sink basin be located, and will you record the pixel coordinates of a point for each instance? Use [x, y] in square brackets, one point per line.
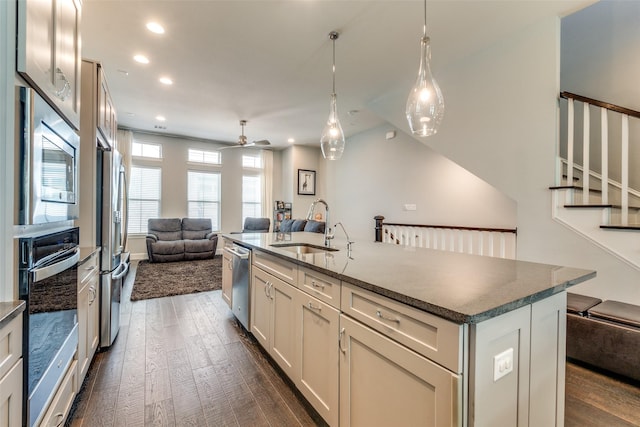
[303, 248]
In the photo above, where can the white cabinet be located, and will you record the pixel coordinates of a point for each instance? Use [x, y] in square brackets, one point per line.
[383, 383]
[88, 314]
[317, 325]
[11, 373]
[227, 274]
[60, 406]
[11, 397]
[49, 52]
[107, 118]
[273, 318]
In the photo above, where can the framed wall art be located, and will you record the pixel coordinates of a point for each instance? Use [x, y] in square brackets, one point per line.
[306, 182]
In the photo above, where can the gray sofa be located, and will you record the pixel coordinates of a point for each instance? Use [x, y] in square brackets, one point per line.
[175, 239]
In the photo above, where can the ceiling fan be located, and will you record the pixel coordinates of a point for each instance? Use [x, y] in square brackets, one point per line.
[243, 142]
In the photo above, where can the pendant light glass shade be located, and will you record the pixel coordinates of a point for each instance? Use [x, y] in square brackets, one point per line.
[425, 105]
[332, 139]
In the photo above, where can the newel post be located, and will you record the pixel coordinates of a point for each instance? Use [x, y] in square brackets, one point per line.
[378, 219]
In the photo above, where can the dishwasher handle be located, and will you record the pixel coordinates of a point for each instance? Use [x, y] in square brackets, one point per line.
[234, 251]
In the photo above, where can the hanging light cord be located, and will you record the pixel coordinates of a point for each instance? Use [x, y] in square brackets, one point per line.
[425, 19]
[334, 36]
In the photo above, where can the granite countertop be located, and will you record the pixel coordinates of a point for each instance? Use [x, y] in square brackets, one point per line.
[458, 287]
[9, 310]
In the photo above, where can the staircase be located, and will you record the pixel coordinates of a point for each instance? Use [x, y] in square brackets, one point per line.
[586, 198]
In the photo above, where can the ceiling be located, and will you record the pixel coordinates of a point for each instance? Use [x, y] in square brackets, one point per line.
[269, 62]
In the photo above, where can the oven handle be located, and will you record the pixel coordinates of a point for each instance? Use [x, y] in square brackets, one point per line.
[53, 269]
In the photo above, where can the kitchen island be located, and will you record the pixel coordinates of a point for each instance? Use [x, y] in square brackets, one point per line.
[421, 336]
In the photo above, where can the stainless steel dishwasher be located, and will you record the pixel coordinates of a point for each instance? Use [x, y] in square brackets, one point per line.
[241, 261]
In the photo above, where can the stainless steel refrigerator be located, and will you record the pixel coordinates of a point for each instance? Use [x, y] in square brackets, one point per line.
[112, 238]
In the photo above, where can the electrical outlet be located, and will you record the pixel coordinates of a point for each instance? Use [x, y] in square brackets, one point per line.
[410, 207]
[502, 364]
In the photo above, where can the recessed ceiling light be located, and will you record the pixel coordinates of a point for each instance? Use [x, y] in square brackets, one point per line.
[166, 81]
[154, 27]
[141, 59]
[161, 118]
[291, 140]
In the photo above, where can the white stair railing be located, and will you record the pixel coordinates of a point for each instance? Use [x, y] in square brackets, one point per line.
[625, 113]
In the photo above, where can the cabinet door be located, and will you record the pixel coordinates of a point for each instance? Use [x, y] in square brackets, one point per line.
[260, 307]
[283, 323]
[227, 274]
[67, 58]
[83, 312]
[318, 373]
[383, 383]
[49, 52]
[93, 317]
[11, 397]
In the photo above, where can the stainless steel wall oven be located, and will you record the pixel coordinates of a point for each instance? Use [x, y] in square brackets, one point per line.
[46, 162]
[49, 285]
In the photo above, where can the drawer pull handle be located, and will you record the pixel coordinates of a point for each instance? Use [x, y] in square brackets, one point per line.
[266, 289]
[340, 341]
[315, 285]
[59, 416]
[313, 307]
[383, 317]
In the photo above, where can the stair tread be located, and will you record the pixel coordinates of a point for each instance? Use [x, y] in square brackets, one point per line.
[622, 227]
[573, 187]
[596, 205]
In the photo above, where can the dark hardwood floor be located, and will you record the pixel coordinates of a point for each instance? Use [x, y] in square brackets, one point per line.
[185, 361]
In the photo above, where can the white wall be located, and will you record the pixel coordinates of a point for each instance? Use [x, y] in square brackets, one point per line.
[294, 158]
[500, 124]
[379, 176]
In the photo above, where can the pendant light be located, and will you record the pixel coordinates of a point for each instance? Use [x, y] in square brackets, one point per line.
[332, 139]
[425, 105]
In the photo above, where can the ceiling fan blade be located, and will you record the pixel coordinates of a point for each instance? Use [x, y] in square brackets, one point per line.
[261, 143]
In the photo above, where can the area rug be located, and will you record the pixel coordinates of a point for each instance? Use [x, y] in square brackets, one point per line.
[163, 279]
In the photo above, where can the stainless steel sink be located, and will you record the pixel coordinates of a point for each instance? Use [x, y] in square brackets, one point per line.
[303, 248]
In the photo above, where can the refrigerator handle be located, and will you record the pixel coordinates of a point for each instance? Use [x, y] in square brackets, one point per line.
[125, 209]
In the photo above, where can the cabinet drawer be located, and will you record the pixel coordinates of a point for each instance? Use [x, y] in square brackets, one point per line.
[321, 286]
[280, 268]
[86, 268]
[438, 339]
[10, 344]
[62, 401]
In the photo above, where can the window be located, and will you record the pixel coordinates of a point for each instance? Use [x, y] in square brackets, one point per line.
[252, 185]
[252, 161]
[203, 196]
[144, 197]
[207, 157]
[145, 149]
[251, 196]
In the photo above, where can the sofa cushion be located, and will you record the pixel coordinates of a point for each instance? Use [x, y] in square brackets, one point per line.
[298, 224]
[579, 304]
[285, 225]
[195, 228]
[168, 247]
[618, 312]
[314, 226]
[202, 245]
[165, 228]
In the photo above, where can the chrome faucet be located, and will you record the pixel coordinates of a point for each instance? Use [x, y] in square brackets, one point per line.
[328, 235]
[349, 241]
